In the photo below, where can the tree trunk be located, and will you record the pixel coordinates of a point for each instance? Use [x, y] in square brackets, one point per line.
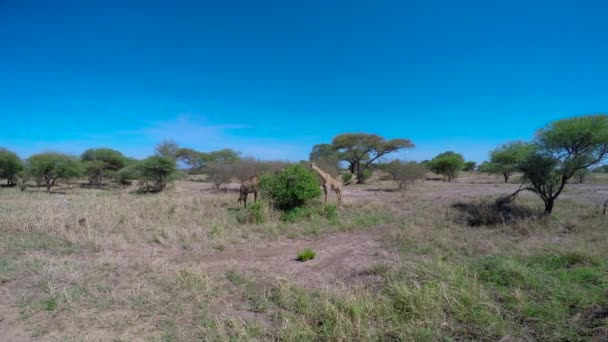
[549, 206]
[48, 187]
[360, 179]
[352, 168]
[506, 175]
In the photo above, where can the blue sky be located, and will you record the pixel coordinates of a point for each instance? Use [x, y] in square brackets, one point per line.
[273, 78]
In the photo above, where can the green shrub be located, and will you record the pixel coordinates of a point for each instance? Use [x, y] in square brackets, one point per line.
[447, 164]
[347, 177]
[158, 170]
[290, 188]
[49, 167]
[10, 165]
[127, 174]
[254, 214]
[100, 163]
[305, 255]
[366, 174]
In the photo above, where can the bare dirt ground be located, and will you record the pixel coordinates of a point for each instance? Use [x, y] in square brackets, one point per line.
[339, 256]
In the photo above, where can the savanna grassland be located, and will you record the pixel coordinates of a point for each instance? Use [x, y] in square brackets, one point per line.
[433, 263]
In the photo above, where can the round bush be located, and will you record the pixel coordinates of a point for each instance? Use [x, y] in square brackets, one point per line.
[290, 188]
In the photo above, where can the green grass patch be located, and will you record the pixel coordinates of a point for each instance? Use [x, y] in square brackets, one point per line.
[431, 302]
[253, 214]
[551, 292]
[7, 270]
[17, 242]
[237, 278]
[306, 254]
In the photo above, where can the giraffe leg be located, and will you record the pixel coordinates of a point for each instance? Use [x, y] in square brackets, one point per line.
[325, 192]
[255, 196]
[245, 199]
[339, 195]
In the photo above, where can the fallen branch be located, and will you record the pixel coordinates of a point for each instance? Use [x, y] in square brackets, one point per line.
[508, 199]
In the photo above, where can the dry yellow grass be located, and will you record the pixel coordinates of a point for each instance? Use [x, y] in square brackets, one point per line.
[178, 265]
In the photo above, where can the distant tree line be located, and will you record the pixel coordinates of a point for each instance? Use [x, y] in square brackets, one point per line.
[563, 151]
[104, 166]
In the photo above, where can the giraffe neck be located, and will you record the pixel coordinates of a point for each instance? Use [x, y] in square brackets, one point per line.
[321, 173]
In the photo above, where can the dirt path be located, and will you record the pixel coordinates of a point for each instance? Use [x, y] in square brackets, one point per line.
[338, 256]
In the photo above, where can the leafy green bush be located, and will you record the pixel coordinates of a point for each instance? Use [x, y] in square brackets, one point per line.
[158, 170]
[127, 174]
[366, 174]
[347, 177]
[290, 188]
[404, 173]
[253, 214]
[10, 165]
[102, 162]
[48, 167]
[305, 255]
[447, 164]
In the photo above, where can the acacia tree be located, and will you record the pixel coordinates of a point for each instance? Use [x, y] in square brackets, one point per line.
[10, 165]
[101, 162]
[127, 174]
[167, 148]
[327, 157]
[224, 156]
[195, 160]
[219, 173]
[158, 170]
[562, 149]
[447, 164]
[50, 166]
[469, 166]
[360, 150]
[581, 175]
[505, 158]
[404, 173]
[198, 161]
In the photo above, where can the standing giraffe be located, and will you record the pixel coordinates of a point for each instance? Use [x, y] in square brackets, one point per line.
[329, 182]
[248, 186]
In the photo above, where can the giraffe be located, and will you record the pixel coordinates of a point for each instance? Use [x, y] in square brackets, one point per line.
[248, 186]
[329, 182]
